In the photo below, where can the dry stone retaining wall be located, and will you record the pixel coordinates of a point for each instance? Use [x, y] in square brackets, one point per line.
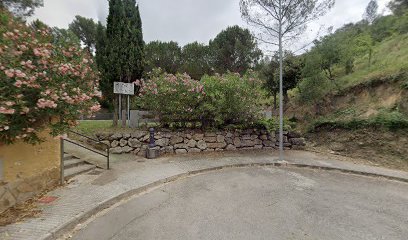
[194, 141]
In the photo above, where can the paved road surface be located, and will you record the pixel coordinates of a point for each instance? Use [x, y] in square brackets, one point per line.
[261, 203]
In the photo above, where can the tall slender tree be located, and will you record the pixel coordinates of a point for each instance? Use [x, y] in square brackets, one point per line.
[85, 29]
[122, 57]
[278, 22]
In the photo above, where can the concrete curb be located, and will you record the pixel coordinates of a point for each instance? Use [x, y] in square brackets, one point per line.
[82, 217]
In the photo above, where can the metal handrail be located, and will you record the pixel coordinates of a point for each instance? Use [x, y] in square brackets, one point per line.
[89, 149]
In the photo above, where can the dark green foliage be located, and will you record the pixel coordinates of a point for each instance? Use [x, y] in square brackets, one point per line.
[85, 30]
[398, 7]
[164, 55]
[234, 50]
[196, 60]
[120, 48]
[21, 8]
[292, 74]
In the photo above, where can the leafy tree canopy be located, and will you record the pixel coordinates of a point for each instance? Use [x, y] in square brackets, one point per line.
[85, 30]
[21, 8]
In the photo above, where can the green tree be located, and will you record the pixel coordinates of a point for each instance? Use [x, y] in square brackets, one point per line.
[365, 45]
[195, 60]
[123, 57]
[235, 50]
[85, 29]
[292, 74]
[164, 55]
[21, 8]
[398, 7]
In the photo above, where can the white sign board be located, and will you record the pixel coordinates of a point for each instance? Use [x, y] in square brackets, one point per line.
[124, 88]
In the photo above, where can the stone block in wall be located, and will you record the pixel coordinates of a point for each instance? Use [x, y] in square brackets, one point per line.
[263, 137]
[194, 150]
[123, 142]
[176, 139]
[126, 136]
[229, 135]
[198, 136]
[237, 142]
[229, 140]
[285, 138]
[247, 143]
[138, 134]
[210, 139]
[220, 138]
[293, 134]
[181, 151]
[116, 136]
[268, 143]
[209, 150]
[163, 142]
[210, 134]
[253, 137]
[201, 144]
[145, 138]
[116, 150]
[126, 149]
[230, 147]
[180, 146]
[192, 143]
[217, 145]
[258, 146]
[298, 141]
[114, 143]
[168, 149]
[189, 136]
[134, 143]
[246, 137]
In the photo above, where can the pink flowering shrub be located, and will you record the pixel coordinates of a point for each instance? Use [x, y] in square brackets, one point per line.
[42, 84]
[214, 101]
[174, 98]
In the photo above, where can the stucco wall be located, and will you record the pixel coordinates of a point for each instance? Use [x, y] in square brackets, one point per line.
[28, 169]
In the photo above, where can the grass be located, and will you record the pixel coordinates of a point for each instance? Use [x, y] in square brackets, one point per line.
[389, 58]
[89, 127]
[387, 119]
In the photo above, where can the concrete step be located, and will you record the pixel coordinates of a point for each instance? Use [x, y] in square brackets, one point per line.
[74, 162]
[71, 172]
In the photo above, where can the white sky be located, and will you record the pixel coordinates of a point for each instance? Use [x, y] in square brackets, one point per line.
[187, 21]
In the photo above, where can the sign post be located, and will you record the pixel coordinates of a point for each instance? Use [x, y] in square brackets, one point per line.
[128, 89]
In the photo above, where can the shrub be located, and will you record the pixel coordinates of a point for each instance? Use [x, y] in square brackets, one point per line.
[42, 84]
[174, 98]
[215, 101]
[232, 99]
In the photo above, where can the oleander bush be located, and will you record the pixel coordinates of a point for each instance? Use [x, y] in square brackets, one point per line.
[215, 101]
[44, 82]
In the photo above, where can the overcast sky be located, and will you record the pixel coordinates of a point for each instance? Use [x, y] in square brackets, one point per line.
[187, 21]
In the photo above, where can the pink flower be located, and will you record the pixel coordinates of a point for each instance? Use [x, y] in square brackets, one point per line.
[18, 83]
[4, 110]
[9, 73]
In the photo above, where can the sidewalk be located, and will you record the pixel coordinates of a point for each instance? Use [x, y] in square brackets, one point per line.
[89, 194]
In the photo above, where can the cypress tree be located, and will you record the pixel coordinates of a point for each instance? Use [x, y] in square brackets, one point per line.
[122, 50]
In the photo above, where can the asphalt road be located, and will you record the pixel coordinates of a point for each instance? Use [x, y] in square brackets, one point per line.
[261, 203]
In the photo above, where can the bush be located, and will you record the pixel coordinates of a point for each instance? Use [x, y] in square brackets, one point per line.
[215, 101]
[232, 99]
[174, 98]
[42, 84]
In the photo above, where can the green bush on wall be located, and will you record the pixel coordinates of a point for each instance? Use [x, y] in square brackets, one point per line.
[215, 101]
